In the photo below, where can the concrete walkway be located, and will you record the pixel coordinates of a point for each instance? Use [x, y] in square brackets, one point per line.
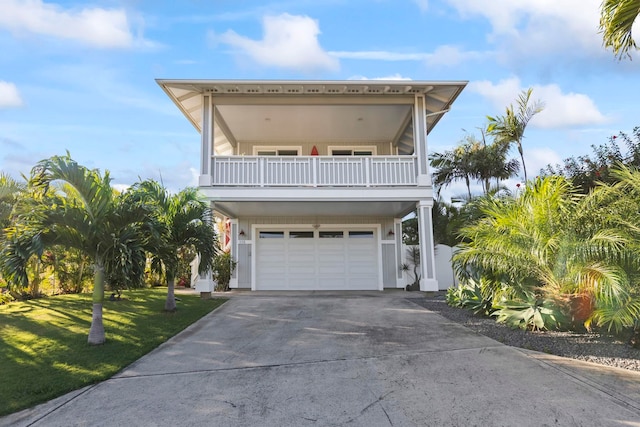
[366, 359]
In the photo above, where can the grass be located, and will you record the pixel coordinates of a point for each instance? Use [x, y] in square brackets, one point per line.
[43, 343]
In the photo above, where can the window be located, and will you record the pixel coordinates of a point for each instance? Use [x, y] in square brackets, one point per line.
[272, 234]
[276, 151]
[331, 234]
[352, 151]
[361, 234]
[301, 234]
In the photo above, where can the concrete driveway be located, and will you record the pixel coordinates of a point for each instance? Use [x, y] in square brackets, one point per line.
[366, 359]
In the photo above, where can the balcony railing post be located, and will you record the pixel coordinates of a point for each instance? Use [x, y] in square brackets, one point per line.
[261, 171]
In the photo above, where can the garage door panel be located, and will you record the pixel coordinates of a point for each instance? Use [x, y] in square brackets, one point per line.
[330, 260]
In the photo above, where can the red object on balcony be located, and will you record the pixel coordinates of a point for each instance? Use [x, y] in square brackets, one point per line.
[314, 151]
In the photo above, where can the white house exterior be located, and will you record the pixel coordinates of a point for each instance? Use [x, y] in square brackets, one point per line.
[315, 176]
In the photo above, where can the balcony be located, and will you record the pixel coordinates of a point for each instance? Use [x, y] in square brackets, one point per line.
[313, 171]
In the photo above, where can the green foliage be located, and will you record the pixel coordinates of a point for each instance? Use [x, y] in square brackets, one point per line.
[509, 129]
[43, 344]
[10, 191]
[412, 267]
[551, 243]
[475, 298]
[532, 313]
[71, 270]
[474, 295]
[586, 171]
[182, 224]
[5, 296]
[410, 234]
[66, 204]
[473, 160]
[223, 266]
[616, 23]
[454, 296]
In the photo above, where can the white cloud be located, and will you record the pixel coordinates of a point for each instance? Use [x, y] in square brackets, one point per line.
[103, 28]
[562, 110]
[289, 41]
[447, 55]
[380, 55]
[9, 95]
[422, 4]
[539, 27]
[538, 158]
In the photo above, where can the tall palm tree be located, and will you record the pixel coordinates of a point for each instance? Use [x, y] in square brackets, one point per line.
[85, 214]
[510, 128]
[186, 221]
[616, 22]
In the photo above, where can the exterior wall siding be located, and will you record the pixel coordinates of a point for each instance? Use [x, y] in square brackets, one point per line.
[244, 260]
[389, 266]
[382, 148]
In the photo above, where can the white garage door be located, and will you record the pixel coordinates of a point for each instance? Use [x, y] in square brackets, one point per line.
[316, 260]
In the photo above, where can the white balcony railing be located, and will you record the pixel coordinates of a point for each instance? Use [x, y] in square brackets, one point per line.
[316, 171]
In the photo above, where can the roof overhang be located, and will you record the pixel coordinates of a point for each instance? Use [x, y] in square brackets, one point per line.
[280, 104]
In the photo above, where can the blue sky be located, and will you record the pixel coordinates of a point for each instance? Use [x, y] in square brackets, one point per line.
[79, 76]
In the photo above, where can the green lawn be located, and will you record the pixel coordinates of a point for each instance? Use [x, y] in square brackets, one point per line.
[43, 343]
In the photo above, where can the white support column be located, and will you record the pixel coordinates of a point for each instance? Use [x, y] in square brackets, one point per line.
[397, 226]
[420, 139]
[233, 283]
[206, 142]
[205, 283]
[427, 256]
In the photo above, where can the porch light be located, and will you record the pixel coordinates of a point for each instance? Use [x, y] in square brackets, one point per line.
[241, 233]
[391, 233]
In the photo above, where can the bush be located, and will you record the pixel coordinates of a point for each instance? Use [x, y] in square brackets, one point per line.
[533, 314]
[5, 296]
[223, 266]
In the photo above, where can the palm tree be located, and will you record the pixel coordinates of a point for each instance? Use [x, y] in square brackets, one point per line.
[473, 159]
[616, 22]
[491, 163]
[510, 128]
[454, 165]
[186, 221]
[85, 214]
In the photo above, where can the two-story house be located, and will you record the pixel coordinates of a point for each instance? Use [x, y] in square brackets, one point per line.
[315, 176]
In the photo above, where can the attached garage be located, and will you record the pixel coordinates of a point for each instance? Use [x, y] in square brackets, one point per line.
[312, 259]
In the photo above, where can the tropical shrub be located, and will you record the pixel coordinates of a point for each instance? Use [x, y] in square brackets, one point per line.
[454, 296]
[412, 267]
[476, 299]
[223, 266]
[473, 294]
[551, 243]
[532, 313]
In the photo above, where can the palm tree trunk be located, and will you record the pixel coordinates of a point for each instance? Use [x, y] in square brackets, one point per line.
[524, 167]
[170, 304]
[96, 333]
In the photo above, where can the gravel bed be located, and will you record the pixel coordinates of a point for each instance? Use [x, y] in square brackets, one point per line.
[592, 347]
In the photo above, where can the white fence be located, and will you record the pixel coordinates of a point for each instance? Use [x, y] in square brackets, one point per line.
[314, 171]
